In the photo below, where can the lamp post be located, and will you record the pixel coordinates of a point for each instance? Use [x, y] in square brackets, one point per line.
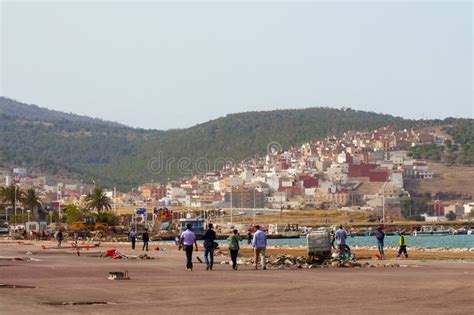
[383, 201]
[15, 204]
[231, 207]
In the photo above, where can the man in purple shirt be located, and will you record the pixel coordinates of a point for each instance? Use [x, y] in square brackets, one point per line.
[259, 244]
[187, 239]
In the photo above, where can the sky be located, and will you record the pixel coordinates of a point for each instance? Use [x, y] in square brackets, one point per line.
[162, 65]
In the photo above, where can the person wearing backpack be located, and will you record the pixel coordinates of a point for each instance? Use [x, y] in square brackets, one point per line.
[234, 247]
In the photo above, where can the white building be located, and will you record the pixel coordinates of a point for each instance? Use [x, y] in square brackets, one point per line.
[468, 208]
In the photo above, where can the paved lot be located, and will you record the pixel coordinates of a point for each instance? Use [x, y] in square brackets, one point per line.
[163, 286]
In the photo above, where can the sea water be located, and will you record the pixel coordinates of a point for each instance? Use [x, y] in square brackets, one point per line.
[432, 241]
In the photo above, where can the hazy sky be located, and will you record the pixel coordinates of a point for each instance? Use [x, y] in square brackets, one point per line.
[166, 65]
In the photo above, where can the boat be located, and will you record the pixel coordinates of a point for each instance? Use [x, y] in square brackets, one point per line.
[284, 230]
[305, 230]
[427, 230]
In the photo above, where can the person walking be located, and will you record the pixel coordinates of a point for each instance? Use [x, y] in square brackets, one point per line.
[233, 242]
[380, 235]
[403, 245]
[259, 243]
[209, 238]
[133, 238]
[187, 239]
[145, 239]
[60, 237]
[340, 239]
[249, 236]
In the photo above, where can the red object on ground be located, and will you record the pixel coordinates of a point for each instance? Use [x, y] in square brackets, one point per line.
[19, 242]
[157, 248]
[377, 256]
[78, 253]
[110, 252]
[43, 247]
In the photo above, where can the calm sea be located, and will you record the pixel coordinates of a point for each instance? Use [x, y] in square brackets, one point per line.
[447, 241]
[441, 241]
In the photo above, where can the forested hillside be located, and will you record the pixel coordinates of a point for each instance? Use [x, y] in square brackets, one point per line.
[113, 154]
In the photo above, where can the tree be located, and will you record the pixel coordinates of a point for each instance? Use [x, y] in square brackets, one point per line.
[11, 195]
[98, 201]
[31, 201]
[451, 216]
[73, 213]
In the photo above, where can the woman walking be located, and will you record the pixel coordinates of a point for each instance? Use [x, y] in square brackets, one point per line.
[233, 242]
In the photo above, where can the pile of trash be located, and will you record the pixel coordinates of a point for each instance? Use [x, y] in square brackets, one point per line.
[115, 254]
[307, 262]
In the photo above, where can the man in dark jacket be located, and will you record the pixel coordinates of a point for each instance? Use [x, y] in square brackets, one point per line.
[209, 238]
[380, 235]
[145, 238]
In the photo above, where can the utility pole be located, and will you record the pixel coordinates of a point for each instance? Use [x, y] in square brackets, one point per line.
[231, 206]
[14, 218]
[383, 201]
[115, 200]
[254, 192]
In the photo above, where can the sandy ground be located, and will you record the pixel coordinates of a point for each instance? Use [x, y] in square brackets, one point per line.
[163, 286]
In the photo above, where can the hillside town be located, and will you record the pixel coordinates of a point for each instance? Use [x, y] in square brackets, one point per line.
[363, 171]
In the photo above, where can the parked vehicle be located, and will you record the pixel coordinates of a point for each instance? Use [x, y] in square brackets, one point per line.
[4, 228]
[36, 226]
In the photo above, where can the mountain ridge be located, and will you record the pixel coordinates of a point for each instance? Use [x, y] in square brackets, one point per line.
[112, 154]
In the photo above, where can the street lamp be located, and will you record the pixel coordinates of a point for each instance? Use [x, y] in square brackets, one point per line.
[15, 204]
[383, 201]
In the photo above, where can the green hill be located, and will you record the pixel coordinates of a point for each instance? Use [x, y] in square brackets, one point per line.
[114, 154]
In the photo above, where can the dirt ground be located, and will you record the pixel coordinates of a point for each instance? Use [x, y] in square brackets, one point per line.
[163, 286]
[449, 179]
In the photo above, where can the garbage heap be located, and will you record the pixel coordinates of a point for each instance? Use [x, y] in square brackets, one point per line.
[305, 262]
[115, 254]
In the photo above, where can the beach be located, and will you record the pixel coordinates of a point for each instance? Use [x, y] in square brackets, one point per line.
[162, 285]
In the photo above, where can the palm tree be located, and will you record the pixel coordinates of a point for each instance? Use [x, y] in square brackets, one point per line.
[30, 200]
[98, 200]
[11, 195]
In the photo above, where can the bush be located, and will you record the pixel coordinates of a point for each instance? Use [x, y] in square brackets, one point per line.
[451, 216]
[73, 214]
[107, 217]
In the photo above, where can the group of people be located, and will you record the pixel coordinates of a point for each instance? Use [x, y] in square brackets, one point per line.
[145, 239]
[341, 235]
[188, 242]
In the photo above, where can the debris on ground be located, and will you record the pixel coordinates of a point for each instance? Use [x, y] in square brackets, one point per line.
[19, 259]
[115, 254]
[308, 262]
[119, 275]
